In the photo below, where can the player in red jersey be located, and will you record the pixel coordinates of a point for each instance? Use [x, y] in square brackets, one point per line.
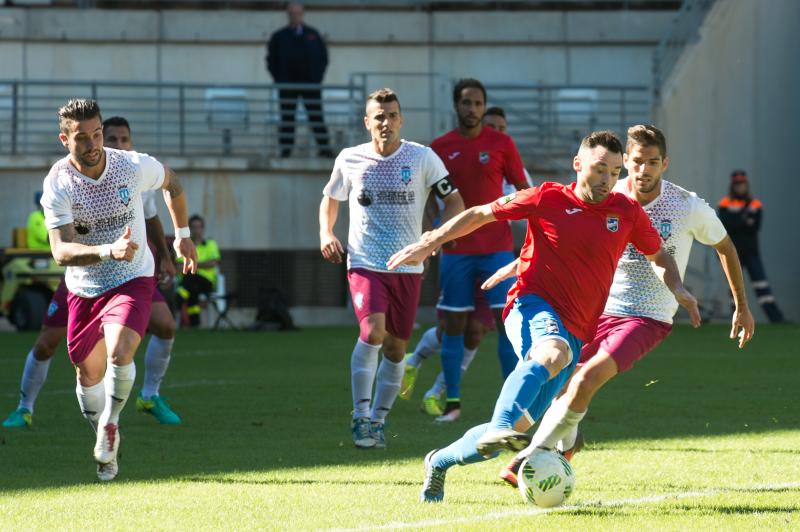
[576, 235]
[479, 160]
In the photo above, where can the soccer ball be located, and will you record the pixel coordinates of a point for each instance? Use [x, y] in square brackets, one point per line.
[546, 479]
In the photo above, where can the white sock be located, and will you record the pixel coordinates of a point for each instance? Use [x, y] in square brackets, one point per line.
[439, 386]
[469, 356]
[556, 423]
[429, 345]
[119, 382]
[92, 400]
[363, 364]
[33, 377]
[568, 441]
[387, 386]
[156, 362]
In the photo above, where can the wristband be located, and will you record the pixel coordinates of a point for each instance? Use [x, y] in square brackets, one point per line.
[182, 232]
[105, 252]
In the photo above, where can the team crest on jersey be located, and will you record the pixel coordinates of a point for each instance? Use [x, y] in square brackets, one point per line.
[124, 195]
[612, 223]
[507, 199]
[483, 157]
[405, 174]
[665, 229]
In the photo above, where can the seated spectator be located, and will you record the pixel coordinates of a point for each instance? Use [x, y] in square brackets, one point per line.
[205, 280]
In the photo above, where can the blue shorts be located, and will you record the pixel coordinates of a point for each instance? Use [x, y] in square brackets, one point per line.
[530, 321]
[459, 275]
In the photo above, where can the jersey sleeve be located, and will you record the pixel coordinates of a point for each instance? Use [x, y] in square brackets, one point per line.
[338, 186]
[152, 172]
[56, 203]
[513, 170]
[149, 204]
[706, 227]
[644, 236]
[433, 167]
[518, 205]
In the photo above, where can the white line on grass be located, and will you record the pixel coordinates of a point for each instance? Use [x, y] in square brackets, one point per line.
[599, 504]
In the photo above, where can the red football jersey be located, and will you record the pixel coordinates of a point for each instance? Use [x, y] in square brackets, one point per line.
[572, 248]
[478, 167]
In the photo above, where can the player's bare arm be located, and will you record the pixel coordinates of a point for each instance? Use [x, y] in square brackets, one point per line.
[178, 211]
[67, 252]
[506, 272]
[667, 270]
[743, 325]
[155, 234]
[453, 206]
[329, 245]
[461, 225]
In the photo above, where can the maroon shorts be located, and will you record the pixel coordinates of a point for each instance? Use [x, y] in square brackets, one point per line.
[626, 339]
[56, 315]
[393, 294]
[128, 305]
[482, 313]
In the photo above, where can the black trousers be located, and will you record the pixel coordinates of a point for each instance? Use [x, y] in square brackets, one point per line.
[758, 276]
[312, 100]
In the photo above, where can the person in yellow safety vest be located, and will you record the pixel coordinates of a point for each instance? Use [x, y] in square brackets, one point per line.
[36, 230]
[205, 280]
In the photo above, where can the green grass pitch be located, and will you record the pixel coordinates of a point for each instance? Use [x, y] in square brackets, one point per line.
[699, 435]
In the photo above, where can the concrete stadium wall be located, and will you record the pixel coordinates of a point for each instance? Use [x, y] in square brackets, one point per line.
[732, 102]
[551, 47]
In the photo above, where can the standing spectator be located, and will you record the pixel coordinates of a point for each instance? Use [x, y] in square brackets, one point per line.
[297, 54]
[205, 280]
[741, 215]
[36, 230]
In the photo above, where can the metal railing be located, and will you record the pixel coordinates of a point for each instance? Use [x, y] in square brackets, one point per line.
[186, 119]
[683, 31]
[548, 122]
[190, 119]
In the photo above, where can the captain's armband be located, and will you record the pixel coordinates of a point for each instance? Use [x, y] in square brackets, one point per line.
[443, 188]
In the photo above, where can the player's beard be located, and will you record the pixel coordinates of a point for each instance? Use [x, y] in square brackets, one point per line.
[86, 159]
[469, 122]
[655, 182]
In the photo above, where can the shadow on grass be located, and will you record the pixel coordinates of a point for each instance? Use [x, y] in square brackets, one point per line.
[275, 401]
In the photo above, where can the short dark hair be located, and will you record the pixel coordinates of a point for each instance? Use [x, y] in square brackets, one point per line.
[646, 135]
[467, 83]
[116, 121]
[495, 111]
[197, 218]
[384, 95]
[606, 139]
[78, 110]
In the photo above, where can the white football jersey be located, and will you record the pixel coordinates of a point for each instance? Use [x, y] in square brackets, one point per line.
[387, 198]
[680, 217]
[149, 204]
[100, 209]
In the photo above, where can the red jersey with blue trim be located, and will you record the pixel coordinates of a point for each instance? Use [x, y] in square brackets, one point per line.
[572, 248]
[478, 167]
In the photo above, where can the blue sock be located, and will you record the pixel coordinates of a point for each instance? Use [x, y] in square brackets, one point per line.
[505, 352]
[461, 451]
[452, 356]
[518, 393]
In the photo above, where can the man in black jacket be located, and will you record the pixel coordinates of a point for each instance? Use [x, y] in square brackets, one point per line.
[297, 54]
[741, 215]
